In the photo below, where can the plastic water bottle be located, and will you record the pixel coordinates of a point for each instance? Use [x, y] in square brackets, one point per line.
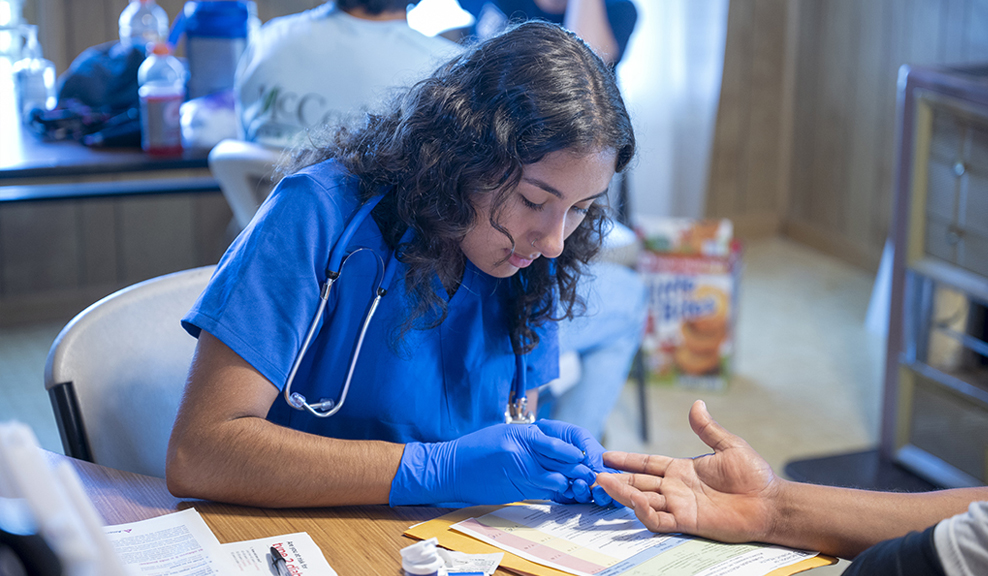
[143, 22]
[34, 76]
[162, 89]
[10, 41]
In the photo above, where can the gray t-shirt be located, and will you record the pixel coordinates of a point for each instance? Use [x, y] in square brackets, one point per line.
[962, 542]
[324, 66]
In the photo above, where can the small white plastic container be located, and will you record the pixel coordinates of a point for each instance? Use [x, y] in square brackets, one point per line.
[422, 559]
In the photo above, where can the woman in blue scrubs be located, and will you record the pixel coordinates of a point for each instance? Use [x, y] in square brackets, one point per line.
[488, 174]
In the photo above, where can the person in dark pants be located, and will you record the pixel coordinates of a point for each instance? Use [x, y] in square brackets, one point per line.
[605, 25]
[732, 495]
[607, 337]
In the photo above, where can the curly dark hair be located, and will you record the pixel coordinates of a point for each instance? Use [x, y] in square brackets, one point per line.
[468, 130]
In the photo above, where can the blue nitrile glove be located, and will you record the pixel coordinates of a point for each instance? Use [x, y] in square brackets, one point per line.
[594, 459]
[496, 465]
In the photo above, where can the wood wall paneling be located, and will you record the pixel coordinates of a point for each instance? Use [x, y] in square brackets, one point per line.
[157, 235]
[87, 24]
[863, 141]
[99, 239]
[975, 39]
[725, 194]
[884, 155]
[268, 9]
[744, 165]
[836, 154]
[25, 243]
[954, 39]
[765, 102]
[829, 132]
[213, 227]
[804, 96]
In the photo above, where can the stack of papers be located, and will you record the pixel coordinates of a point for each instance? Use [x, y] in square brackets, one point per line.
[181, 544]
[554, 540]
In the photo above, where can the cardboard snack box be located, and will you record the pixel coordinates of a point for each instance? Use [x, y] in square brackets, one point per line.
[691, 270]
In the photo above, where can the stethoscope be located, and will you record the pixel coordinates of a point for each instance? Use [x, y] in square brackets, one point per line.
[517, 411]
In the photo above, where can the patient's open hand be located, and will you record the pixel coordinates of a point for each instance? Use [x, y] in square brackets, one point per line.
[728, 495]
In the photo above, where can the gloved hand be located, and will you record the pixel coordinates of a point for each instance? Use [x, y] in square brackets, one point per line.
[582, 491]
[496, 465]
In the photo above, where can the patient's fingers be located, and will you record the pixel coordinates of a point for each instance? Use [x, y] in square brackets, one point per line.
[622, 487]
[712, 433]
[646, 482]
[643, 482]
[655, 519]
[643, 463]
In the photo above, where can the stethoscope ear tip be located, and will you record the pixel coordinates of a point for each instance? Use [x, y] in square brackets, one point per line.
[296, 400]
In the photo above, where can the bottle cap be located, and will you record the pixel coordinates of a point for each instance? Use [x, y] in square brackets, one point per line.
[217, 19]
[32, 48]
[161, 49]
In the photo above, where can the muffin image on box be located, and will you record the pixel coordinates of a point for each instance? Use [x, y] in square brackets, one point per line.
[701, 237]
[691, 269]
[699, 352]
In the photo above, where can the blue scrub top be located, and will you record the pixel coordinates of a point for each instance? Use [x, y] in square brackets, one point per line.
[433, 385]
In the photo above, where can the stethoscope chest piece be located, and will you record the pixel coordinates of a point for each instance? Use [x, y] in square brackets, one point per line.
[518, 412]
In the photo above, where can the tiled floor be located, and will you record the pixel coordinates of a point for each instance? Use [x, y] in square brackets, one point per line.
[808, 374]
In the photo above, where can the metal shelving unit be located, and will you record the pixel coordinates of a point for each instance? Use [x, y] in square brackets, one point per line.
[935, 413]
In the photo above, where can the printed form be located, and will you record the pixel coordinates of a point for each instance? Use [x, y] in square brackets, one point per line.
[181, 544]
[592, 540]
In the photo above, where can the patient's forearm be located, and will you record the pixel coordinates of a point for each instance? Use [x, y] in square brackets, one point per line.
[843, 522]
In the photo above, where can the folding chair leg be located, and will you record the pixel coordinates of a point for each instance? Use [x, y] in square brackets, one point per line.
[69, 420]
[638, 371]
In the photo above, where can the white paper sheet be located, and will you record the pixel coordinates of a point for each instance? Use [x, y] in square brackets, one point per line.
[178, 544]
[301, 554]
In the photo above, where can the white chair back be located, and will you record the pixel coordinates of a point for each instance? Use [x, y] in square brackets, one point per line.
[117, 371]
[245, 173]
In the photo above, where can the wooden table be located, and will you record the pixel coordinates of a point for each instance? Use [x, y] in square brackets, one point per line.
[356, 540]
[32, 169]
[27, 159]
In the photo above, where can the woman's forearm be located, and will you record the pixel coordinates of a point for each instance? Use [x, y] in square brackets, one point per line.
[222, 447]
[253, 462]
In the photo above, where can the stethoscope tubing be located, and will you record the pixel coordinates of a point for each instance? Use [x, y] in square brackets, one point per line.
[337, 257]
[296, 400]
[516, 413]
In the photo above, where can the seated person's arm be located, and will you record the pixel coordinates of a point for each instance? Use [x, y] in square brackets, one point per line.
[588, 19]
[733, 495]
[223, 449]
